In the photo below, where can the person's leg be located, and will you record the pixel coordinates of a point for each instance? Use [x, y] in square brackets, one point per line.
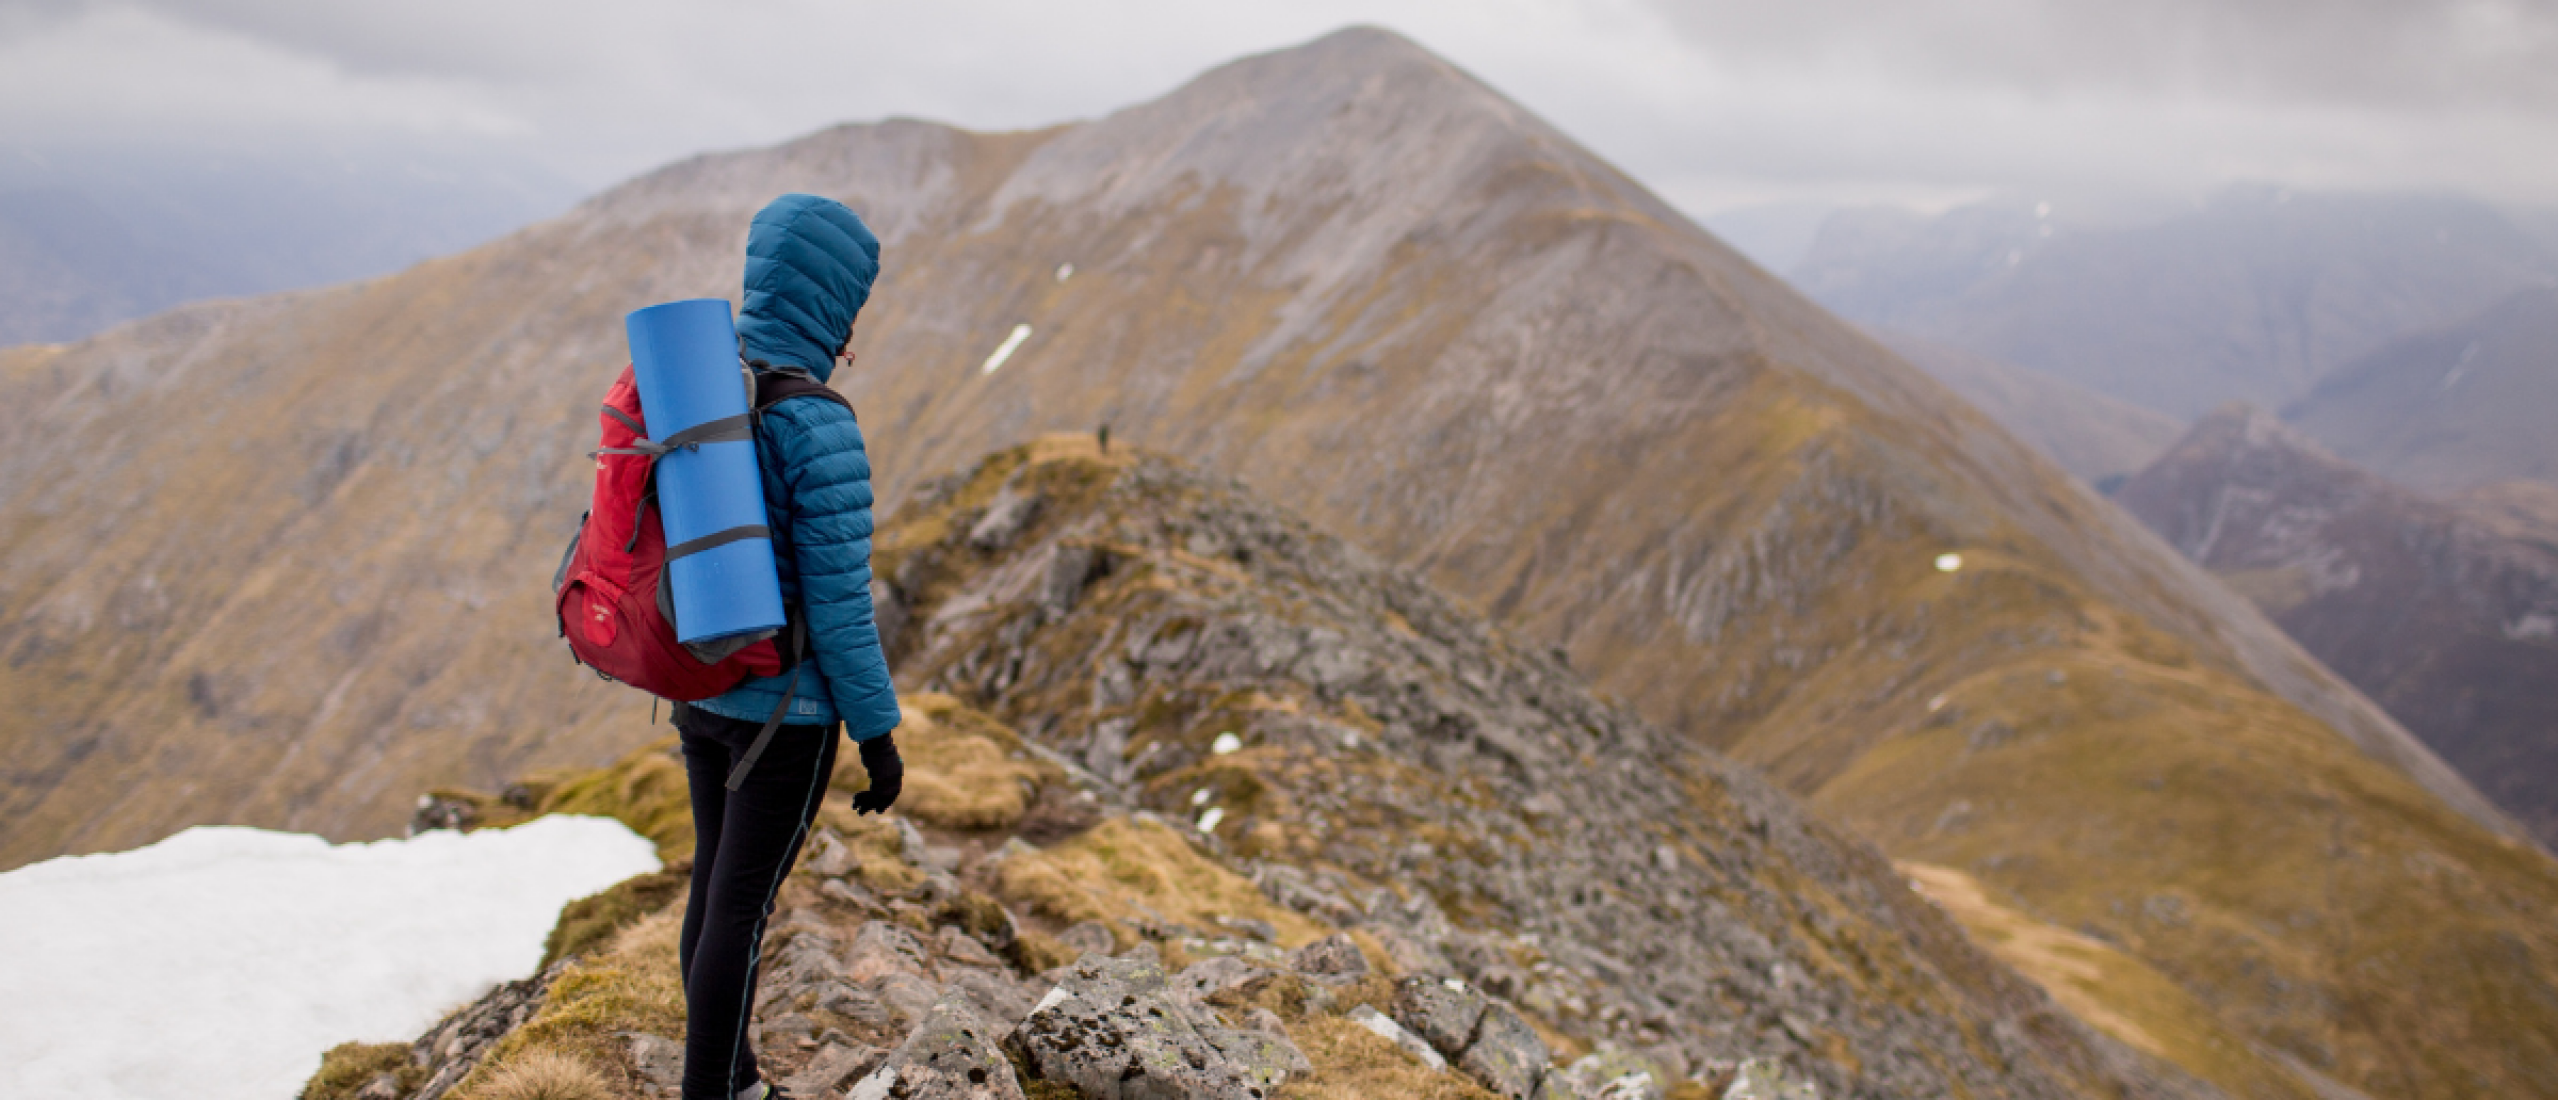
[745, 1071]
[764, 823]
[706, 762]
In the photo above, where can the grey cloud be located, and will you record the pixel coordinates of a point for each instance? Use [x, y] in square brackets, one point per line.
[1714, 102]
[2370, 53]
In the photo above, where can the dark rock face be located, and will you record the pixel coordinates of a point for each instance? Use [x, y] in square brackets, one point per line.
[2443, 616]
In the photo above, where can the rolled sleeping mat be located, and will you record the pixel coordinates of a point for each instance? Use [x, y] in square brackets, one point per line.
[710, 490]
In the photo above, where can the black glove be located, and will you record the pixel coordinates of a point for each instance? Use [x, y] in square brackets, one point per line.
[887, 775]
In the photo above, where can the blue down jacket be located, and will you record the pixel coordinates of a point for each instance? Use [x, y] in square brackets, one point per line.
[810, 264]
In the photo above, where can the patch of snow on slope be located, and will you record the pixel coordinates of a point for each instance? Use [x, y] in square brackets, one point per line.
[222, 962]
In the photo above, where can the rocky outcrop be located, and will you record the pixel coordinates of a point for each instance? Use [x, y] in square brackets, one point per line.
[1413, 829]
[1481, 1036]
[950, 1056]
[442, 1057]
[1378, 760]
[1113, 1030]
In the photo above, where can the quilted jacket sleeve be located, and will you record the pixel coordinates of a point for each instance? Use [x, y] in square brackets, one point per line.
[828, 474]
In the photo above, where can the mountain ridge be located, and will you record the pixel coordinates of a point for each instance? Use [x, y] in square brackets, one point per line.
[1521, 376]
[2256, 293]
[1163, 719]
[2450, 408]
[2442, 610]
[2098, 438]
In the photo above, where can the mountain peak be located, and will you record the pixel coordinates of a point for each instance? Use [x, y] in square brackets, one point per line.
[1362, 117]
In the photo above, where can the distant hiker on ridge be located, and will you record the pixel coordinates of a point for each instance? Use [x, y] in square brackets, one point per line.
[810, 263]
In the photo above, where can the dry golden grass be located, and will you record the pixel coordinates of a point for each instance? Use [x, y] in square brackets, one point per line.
[2110, 990]
[592, 920]
[964, 770]
[1123, 864]
[632, 986]
[874, 839]
[545, 1075]
[1353, 1063]
[348, 1067]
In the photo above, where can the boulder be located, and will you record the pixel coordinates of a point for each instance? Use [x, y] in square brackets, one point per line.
[1112, 1030]
[658, 1060]
[962, 948]
[1443, 1012]
[1209, 977]
[911, 997]
[1334, 959]
[1267, 1057]
[951, 1056]
[1483, 1037]
[859, 1006]
[994, 993]
[1507, 1056]
[833, 1066]
[1610, 1074]
[880, 949]
[1006, 517]
[1087, 938]
[1768, 1079]
[1253, 927]
[829, 856]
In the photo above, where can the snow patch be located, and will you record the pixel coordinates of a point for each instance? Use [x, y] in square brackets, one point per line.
[222, 962]
[1011, 343]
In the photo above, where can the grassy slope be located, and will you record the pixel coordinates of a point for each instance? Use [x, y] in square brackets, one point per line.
[2119, 783]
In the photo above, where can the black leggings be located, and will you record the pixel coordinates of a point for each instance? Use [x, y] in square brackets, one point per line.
[744, 844]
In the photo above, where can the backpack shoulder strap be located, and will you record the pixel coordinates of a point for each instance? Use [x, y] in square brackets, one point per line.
[772, 387]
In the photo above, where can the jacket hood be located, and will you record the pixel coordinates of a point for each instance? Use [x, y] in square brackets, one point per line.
[810, 263]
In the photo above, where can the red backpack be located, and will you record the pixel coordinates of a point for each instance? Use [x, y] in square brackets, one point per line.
[610, 591]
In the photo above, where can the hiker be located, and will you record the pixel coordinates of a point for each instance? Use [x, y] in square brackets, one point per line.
[810, 263]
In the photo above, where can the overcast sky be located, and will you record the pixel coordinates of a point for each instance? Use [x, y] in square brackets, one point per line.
[1715, 103]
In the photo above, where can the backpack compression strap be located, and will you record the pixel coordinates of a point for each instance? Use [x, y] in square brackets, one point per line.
[763, 737]
[727, 429]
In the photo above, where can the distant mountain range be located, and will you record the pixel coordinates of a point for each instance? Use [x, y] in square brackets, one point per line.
[91, 238]
[2255, 295]
[2445, 612]
[284, 560]
[2467, 404]
[2098, 438]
